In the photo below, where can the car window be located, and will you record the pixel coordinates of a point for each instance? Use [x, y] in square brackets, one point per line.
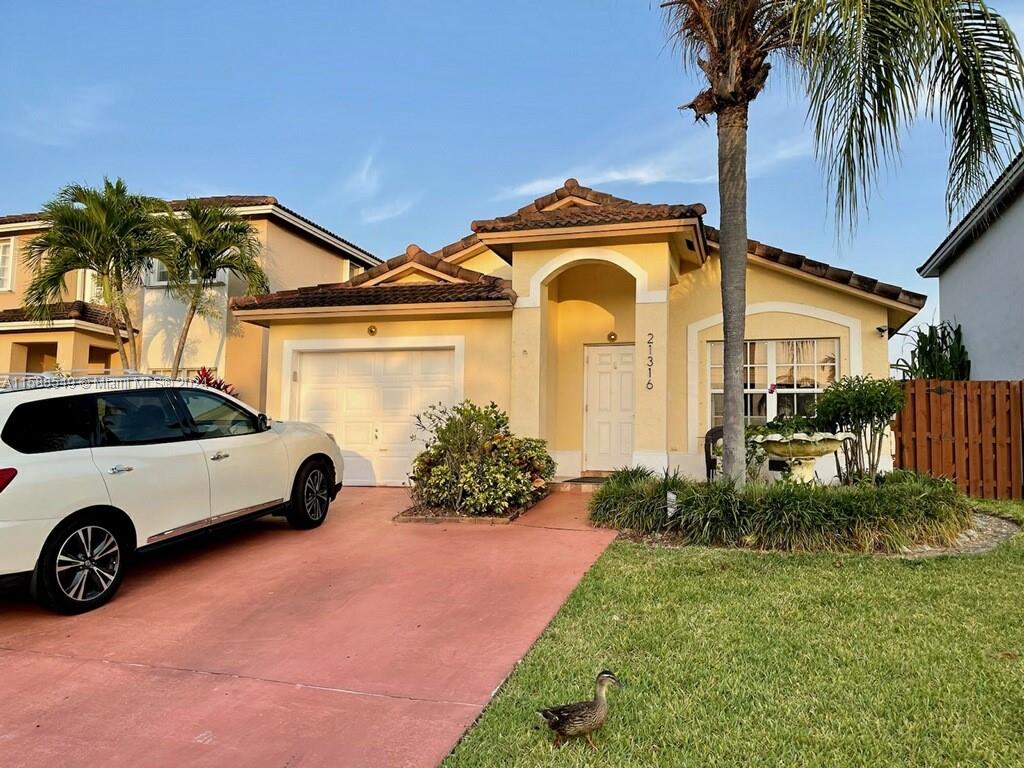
[53, 424]
[136, 418]
[216, 417]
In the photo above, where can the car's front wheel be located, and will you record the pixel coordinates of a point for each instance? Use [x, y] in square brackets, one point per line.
[311, 494]
[81, 566]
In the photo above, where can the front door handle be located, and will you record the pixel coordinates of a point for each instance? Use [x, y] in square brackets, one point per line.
[219, 455]
[117, 469]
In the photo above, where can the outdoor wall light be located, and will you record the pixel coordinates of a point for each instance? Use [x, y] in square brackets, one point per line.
[883, 330]
[613, 336]
[372, 330]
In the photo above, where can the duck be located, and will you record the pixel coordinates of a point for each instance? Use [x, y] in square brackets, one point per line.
[583, 717]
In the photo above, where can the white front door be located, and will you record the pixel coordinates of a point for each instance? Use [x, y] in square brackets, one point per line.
[369, 401]
[608, 417]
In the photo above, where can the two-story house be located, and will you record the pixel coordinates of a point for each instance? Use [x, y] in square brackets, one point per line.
[296, 251]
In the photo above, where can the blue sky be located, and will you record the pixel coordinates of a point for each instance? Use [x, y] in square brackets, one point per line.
[400, 121]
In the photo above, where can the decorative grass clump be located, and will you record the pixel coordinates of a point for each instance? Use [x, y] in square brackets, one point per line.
[901, 510]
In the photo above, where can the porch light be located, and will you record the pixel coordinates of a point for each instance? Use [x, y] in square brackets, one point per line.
[372, 330]
[613, 336]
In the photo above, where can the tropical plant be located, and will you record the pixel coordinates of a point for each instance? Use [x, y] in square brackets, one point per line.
[472, 464]
[936, 352]
[109, 231]
[208, 378]
[903, 509]
[209, 241]
[869, 70]
[866, 407]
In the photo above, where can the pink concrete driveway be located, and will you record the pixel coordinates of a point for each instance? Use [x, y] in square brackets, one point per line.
[362, 643]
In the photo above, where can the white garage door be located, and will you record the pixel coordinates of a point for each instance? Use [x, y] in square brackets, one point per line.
[368, 401]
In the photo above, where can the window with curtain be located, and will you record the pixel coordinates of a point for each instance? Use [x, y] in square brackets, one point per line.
[781, 377]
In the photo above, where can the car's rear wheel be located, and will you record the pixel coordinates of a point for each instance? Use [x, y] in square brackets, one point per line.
[311, 494]
[82, 565]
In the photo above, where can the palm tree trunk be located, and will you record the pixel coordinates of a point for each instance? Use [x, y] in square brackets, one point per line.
[182, 338]
[115, 319]
[133, 348]
[732, 192]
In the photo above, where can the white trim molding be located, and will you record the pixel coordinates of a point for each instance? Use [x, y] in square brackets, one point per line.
[293, 348]
[568, 463]
[852, 324]
[655, 460]
[59, 325]
[577, 256]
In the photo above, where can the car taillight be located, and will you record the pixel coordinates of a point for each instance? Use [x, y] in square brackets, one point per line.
[6, 475]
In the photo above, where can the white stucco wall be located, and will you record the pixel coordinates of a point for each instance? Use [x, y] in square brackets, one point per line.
[983, 290]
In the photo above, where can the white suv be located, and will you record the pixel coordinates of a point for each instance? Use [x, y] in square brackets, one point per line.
[92, 470]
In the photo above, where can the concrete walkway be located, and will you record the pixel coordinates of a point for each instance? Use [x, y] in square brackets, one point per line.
[362, 643]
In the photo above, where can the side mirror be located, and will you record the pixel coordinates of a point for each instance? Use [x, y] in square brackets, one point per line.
[263, 421]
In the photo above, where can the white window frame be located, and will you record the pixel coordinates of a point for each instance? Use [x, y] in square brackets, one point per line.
[152, 281]
[11, 243]
[92, 291]
[771, 395]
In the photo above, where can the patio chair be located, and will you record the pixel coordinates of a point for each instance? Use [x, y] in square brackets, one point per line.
[710, 460]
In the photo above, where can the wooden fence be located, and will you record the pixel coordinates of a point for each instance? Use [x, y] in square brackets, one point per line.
[969, 431]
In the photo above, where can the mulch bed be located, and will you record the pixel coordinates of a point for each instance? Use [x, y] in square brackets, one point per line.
[435, 515]
[987, 533]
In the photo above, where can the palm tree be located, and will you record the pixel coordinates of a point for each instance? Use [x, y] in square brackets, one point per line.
[109, 231]
[869, 70]
[208, 240]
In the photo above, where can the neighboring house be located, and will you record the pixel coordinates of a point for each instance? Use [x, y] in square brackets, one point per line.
[594, 320]
[980, 267]
[79, 336]
[296, 251]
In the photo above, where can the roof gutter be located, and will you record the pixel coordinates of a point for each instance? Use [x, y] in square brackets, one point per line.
[998, 197]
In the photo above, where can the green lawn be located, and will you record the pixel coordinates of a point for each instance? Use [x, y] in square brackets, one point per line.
[735, 658]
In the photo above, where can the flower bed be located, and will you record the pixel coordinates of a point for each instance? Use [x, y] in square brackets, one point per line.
[901, 510]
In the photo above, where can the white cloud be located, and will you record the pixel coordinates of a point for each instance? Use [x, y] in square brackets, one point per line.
[364, 182]
[390, 209]
[62, 119]
[363, 187]
[691, 161]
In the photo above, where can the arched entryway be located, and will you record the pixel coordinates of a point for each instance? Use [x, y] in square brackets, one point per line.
[588, 376]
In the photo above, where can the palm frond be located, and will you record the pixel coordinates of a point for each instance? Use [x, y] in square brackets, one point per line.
[873, 68]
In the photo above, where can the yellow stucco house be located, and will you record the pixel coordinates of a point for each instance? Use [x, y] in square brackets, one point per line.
[295, 251]
[594, 320]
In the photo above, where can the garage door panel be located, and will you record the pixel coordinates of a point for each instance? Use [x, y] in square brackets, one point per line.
[358, 399]
[355, 364]
[398, 399]
[354, 433]
[370, 401]
[358, 469]
[400, 363]
[433, 394]
[437, 366]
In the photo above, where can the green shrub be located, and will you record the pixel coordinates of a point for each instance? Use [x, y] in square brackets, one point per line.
[936, 352]
[866, 407]
[903, 509]
[472, 464]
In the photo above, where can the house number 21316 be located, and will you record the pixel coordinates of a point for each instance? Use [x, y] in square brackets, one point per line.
[650, 361]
